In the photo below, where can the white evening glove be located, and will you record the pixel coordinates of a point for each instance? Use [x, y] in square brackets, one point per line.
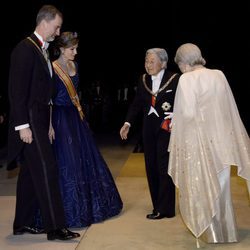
[169, 115]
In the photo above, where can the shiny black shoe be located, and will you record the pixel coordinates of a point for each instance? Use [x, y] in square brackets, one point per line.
[62, 234]
[158, 216]
[26, 229]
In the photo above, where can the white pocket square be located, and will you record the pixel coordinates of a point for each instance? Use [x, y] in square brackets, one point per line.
[170, 90]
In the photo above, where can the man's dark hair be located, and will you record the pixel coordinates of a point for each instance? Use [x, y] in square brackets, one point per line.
[48, 13]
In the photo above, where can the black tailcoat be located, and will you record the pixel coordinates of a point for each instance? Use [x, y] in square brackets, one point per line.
[30, 91]
[155, 141]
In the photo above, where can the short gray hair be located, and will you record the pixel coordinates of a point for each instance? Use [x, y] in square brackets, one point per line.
[160, 53]
[190, 54]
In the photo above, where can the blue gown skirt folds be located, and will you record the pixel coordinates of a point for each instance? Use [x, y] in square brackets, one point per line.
[88, 189]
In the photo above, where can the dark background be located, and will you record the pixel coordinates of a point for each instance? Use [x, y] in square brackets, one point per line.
[114, 36]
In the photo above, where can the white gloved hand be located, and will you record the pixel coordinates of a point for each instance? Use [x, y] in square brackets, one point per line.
[169, 115]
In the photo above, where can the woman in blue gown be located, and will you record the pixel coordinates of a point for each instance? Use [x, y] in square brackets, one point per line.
[88, 188]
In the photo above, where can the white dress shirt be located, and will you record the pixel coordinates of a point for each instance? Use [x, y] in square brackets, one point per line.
[156, 82]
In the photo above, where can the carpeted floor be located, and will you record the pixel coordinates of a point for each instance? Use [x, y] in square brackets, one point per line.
[134, 166]
[130, 230]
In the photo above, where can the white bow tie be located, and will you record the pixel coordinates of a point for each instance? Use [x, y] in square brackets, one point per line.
[45, 46]
[155, 78]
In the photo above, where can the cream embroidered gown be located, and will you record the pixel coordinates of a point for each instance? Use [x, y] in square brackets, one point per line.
[207, 137]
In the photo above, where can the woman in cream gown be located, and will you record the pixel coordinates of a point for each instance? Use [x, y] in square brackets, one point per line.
[207, 137]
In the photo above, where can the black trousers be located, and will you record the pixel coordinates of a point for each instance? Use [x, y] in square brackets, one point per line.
[161, 186]
[38, 183]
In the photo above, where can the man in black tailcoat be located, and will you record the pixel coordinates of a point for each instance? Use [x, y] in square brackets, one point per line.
[155, 96]
[30, 90]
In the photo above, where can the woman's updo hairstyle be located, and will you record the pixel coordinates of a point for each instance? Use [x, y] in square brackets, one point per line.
[65, 40]
[190, 54]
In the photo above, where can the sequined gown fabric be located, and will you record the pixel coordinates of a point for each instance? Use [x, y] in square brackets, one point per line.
[207, 137]
[87, 186]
